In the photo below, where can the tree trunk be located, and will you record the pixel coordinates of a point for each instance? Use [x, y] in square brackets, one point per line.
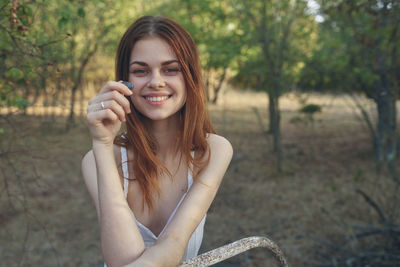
[271, 113]
[386, 143]
[82, 99]
[71, 117]
[76, 83]
[274, 115]
[207, 79]
[218, 87]
[386, 138]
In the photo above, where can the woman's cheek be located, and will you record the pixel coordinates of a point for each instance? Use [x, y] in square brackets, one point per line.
[138, 82]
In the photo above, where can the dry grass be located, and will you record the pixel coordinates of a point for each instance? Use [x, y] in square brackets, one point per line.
[312, 197]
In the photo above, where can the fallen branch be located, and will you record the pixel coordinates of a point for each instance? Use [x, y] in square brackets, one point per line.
[222, 253]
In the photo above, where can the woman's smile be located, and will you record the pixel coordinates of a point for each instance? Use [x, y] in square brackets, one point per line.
[160, 90]
[156, 99]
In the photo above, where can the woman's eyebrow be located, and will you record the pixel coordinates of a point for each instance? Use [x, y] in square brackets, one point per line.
[141, 63]
[169, 62]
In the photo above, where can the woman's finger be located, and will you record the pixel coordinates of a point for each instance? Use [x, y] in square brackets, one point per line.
[112, 85]
[113, 95]
[114, 107]
[105, 114]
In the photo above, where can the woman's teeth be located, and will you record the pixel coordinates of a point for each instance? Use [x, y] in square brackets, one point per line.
[156, 98]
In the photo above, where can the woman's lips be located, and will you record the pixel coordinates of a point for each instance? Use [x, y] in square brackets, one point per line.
[156, 99]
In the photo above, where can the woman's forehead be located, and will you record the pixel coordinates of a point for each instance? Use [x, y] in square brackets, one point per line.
[152, 49]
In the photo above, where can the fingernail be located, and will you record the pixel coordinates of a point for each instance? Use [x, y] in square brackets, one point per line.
[128, 84]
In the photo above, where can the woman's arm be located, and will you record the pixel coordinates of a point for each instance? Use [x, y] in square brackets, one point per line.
[120, 238]
[171, 246]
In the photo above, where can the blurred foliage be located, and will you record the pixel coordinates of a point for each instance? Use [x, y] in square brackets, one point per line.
[357, 52]
[49, 48]
[45, 46]
[311, 109]
[357, 48]
[264, 44]
[276, 38]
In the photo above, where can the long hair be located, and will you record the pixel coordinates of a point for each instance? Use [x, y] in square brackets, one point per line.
[194, 123]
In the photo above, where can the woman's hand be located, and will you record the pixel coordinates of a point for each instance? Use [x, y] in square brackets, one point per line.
[107, 111]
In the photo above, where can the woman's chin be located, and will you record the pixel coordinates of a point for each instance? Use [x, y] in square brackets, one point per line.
[162, 117]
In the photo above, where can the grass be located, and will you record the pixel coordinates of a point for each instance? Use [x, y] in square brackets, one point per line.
[47, 217]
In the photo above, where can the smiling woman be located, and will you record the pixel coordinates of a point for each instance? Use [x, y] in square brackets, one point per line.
[153, 184]
[156, 73]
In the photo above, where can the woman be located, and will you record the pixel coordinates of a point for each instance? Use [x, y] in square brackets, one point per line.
[153, 185]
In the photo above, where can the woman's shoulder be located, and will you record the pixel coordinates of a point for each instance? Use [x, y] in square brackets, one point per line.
[219, 143]
[221, 150]
[218, 157]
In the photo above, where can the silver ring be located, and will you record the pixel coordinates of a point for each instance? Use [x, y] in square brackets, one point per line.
[102, 105]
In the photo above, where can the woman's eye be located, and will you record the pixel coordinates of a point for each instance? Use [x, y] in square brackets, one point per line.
[139, 72]
[171, 71]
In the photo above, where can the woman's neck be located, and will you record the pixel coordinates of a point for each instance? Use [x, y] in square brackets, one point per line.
[166, 132]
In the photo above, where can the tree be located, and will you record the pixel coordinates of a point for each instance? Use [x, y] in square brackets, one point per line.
[274, 34]
[88, 25]
[358, 53]
[24, 51]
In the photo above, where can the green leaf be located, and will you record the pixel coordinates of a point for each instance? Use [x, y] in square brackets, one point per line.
[358, 176]
[31, 75]
[333, 187]
[66, 13]
[62, 23]
[5, 43]
[310, 109]
[43, 38]
[14, 74]
[4, 92]
[8, 88]
[21, 102]
[81, 12]
[25, 14]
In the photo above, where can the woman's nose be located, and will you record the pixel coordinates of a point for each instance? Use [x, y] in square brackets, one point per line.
[156, 80]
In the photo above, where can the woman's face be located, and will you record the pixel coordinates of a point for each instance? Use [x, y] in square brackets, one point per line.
[159, 87]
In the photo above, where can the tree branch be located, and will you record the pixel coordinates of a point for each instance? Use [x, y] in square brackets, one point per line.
[373, 204]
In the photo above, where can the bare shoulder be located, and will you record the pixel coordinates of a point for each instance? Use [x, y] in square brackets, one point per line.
[219, 145]
[220, 156]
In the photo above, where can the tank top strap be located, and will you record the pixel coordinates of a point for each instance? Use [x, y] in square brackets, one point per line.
[124, 162]
[190, 175]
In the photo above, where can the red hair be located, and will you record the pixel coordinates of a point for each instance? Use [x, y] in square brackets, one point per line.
[195, 122]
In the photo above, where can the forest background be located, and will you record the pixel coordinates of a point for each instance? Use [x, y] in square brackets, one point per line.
[306, 91]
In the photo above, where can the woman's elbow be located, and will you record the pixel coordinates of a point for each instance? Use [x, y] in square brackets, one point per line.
[130, 259]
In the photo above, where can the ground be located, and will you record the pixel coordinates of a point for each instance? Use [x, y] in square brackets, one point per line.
[47, 217]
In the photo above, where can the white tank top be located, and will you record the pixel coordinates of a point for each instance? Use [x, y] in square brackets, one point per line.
[149, 237]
